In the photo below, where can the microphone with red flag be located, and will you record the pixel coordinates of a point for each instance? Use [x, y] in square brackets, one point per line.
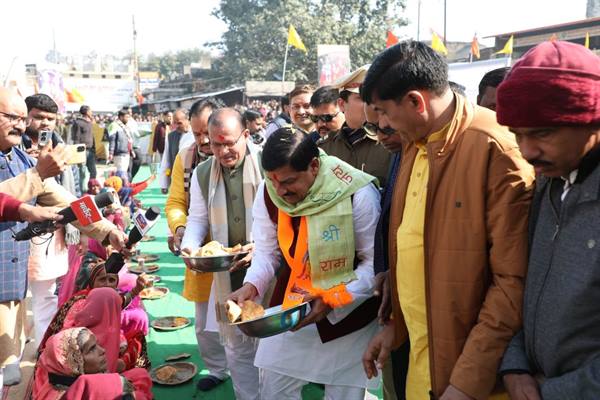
[85, 210]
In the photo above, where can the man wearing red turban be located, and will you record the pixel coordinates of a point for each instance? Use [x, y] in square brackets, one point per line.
[551, 102]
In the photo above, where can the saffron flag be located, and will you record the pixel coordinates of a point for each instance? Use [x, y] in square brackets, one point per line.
[294, 39]
[73, 96]
[391, 40]
[508, 47]
[437, 44]
[475, 48]
[587, 40]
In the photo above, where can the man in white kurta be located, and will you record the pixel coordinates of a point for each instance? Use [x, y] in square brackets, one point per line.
[223, 209]
[290, 360]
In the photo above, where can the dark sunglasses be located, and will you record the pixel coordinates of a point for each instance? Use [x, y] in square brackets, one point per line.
[372, 129]
[323, 117]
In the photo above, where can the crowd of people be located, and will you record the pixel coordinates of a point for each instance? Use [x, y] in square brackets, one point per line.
[443, 247]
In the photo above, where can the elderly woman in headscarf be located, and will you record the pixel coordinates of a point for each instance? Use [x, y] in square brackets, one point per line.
[119, 328]
[74, 366]
[94, 187]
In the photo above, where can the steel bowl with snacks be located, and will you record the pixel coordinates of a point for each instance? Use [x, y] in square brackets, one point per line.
[213, 263]
[275, 321]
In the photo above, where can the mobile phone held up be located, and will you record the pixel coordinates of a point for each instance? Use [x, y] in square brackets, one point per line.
[75, 154]
[43, 138]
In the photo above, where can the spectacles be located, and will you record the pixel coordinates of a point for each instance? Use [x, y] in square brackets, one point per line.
[323, 117]
[372, 129]
[15, 119]
[229, 145]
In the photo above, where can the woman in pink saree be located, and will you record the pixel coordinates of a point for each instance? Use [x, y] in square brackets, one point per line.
[74, 366]
[99, 310]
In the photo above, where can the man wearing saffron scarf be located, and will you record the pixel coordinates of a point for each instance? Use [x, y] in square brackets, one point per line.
[321, 214]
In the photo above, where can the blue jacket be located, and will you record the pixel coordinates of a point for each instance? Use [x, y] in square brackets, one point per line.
[119, 141]
[13, 255]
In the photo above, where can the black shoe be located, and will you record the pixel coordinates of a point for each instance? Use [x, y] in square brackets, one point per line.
[208, 382]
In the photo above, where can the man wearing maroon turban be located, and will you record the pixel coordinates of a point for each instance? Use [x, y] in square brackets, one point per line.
[551, 102]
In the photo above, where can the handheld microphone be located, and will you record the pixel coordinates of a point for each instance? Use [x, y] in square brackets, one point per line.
[143, 223]
[38, 228]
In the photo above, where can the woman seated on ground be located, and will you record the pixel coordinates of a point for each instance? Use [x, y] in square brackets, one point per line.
[73, 366]
[93, 274]
[116, 213]
[100, 309]
[91, 252]
[127, 191]
[86, 252]
[94, 187]
[120, 180]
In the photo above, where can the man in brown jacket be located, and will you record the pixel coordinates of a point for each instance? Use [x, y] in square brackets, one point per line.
[458, 229]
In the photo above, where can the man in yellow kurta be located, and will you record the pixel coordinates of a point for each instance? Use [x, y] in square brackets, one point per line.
[196, 286]
[457, 230]
[410, 273]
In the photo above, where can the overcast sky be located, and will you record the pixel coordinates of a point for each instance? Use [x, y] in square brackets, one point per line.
[80, 27]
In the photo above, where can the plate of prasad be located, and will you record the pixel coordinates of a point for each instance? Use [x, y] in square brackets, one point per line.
[154, 293]
[173, 373]
[147, 257]
[138, 269]
[170, 323]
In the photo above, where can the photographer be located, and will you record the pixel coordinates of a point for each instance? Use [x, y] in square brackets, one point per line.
[81, 132]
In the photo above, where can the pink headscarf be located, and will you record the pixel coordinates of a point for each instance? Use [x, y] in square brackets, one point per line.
[63, 356]
[96, 247]
[67, 288]
[101, 314]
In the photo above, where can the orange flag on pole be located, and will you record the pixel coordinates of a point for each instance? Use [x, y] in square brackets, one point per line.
[391, 40]
[475, 48]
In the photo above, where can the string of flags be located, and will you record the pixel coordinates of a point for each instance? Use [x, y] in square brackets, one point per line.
[437, 43]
